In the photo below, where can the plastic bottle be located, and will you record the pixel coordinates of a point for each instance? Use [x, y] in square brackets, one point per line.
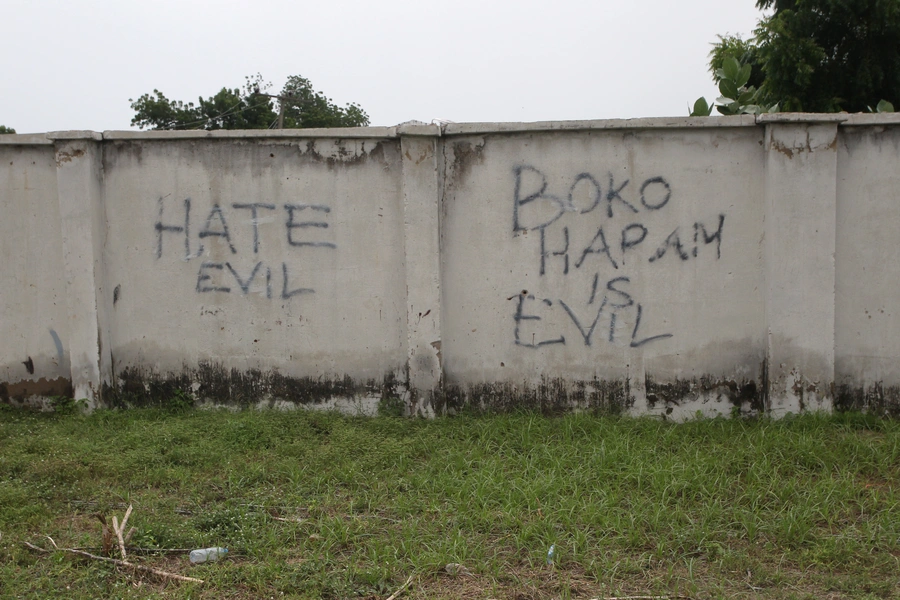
[551, 555]
[207, 554]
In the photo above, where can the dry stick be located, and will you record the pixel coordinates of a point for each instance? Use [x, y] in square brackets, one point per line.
[120, 531]
[120, 563]
[119, 537]
[115, 523]
[107, 537]
[125, 518]
[139, 549]
[400, 591]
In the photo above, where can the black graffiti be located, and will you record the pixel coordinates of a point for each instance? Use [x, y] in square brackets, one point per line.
[629, 241]
[659, 203]
[209, 272]
[254, 219]
[530, 186]
[598, 191]
[564, 252]
[185, 229]
[631, 236]
[674, 241]
[603, 249]
[228, 277]
[292, 225]
[216, 226]
[521, 316]
[244, 285]
[203, 276]
[207, 231]
[594, 288]
[635, 343]
[616, 194]
[586, 334]
[286, 292]
[519, 201]
[616, 301]
[626, 299]
[708, 239]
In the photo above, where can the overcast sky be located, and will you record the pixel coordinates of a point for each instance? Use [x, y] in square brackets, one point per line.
[74, 64]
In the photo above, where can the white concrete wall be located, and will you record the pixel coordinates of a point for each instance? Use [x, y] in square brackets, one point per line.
[34, 318]
[622, 266]
[254, 257]
[867, 268]
[662, 266]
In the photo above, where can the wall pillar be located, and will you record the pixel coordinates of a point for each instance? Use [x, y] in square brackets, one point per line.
[78, 159]
[421, 187]
[799, 226]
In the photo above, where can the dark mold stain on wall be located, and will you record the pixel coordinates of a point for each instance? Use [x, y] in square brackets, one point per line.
[20, 391]
[257, 154]
[341, 156]
[466, 154]
[736, 392]
[234, 387]
[877, 399]
[551, 396]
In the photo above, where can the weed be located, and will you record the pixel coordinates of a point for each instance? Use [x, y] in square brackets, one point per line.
[315, 505]
[391, 407]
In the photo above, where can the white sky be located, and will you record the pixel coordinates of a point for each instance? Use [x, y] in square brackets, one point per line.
[74, 64]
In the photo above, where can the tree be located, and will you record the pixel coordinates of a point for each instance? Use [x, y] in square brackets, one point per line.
[739, 96]
[247, 108]
[746, 52]
[304, 107]
[822, 55]
[5, 129]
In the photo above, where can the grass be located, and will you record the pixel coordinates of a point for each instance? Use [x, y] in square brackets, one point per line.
[316, 505]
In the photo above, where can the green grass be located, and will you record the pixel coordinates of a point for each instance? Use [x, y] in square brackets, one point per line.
[315, 505]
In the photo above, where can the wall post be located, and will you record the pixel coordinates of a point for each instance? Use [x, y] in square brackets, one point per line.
[83, 218]
[421, 153]
[799, 225]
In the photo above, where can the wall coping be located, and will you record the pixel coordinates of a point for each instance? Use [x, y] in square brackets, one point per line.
[25, 139]
[415, 128]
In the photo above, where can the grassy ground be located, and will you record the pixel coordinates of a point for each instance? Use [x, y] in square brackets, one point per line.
[314, 505]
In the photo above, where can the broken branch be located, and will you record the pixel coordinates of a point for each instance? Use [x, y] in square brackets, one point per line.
[120, 563]
[396, 594]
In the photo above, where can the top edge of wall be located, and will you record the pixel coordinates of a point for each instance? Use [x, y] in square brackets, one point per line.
[25, 139]
[601, 124]
[449, 128]
[863, 119]
[336, 132]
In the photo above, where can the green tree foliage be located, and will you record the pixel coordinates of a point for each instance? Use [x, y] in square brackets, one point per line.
[821, 55]
[5, 129]
[305, 107]
[247, 108]
[744, 51]
[738, 97]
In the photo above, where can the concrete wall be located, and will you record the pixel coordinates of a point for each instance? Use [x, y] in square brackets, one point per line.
[659, 266]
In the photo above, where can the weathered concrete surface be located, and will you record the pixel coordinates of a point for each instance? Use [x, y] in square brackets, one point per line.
[801, 162]
[34, 317]
[644, 266]
[83, 231]
[256, 256]
[605, 260]
[422, 172]
[867, 302]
